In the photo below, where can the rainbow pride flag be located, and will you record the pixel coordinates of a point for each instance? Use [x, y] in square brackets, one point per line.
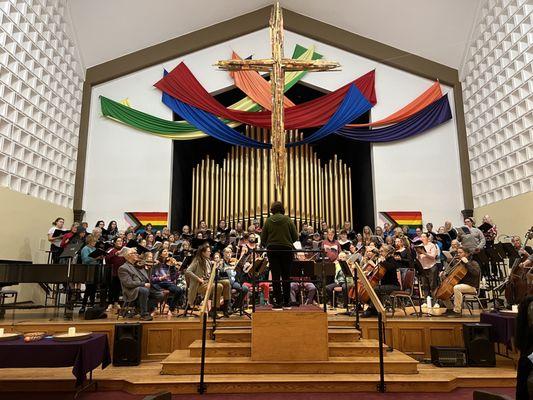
[413, 219]
[138, 219]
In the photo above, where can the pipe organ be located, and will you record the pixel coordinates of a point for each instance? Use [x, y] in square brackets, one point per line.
[241, 188]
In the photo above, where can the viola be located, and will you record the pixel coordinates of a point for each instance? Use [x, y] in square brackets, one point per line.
[374, 275]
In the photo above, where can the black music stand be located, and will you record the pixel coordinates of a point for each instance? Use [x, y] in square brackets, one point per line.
[303, 269]
[496, 259]
[483, 260]
[258, 268]
[510, 250]
[324, 269]
[346, 270]
[70, 252]
[500, 249]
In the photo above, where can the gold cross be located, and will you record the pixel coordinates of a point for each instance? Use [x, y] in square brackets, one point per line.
[277, 65]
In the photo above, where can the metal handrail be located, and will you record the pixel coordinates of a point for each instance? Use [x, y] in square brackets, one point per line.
[382, 317]
[381, 387]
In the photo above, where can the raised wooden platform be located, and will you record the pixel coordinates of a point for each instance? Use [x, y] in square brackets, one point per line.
[269, 347]
[146, 379]
[412, 336]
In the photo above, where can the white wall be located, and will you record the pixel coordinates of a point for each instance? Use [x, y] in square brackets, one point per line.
[129, 170]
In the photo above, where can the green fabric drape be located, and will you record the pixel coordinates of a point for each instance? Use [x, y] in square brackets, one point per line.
[182, 130]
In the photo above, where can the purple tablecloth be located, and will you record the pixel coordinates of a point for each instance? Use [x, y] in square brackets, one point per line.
[503, 327]
[83, 355]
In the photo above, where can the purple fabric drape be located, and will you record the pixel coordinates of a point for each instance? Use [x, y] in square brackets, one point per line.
[434, 114]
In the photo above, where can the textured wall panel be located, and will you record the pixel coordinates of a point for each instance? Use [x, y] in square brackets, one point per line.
[40, 100]
[498, 96]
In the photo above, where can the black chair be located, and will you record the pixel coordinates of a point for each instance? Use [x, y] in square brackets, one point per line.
[189, 310]
[401, 297]
[6, 294]
[128, 309]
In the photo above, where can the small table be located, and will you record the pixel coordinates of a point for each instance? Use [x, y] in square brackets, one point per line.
[83, 355]
[503, 328]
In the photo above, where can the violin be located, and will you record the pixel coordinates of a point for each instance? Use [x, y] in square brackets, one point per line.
[374, 276]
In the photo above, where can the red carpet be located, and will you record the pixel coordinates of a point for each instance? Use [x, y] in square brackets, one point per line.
[458, 394]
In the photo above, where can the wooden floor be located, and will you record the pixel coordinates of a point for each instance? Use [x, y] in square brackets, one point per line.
[164, 335]
[146, 378]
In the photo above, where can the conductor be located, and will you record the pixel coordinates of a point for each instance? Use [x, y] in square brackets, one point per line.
[278, 235]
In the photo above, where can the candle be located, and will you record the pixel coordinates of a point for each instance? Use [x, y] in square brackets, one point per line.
[72, 331]
[514, 308]
[1, 331]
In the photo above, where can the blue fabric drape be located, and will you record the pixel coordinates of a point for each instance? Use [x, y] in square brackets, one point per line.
[353, 106]
[210, 124]
[434, 114]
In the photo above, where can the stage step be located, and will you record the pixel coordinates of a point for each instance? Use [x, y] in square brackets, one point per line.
[362, 347]
[240, 335]
[180, 363]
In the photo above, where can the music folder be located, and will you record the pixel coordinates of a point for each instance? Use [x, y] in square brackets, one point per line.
[97, 253]
[71, 250]
[133, 244]
[346, 270]
[484, 227]
[186, 262]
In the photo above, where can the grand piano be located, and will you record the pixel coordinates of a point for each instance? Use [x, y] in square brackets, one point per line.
[12, 274]
[50, 274]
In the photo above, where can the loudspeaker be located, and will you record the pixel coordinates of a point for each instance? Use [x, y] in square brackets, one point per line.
[127, 344]
[95, 313]
[448, 356]
[467, 213]
[479, 349]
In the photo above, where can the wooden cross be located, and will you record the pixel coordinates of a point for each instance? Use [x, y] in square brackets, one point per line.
[277, 65]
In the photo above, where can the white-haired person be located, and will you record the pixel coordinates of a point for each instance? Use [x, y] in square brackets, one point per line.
[136, 286]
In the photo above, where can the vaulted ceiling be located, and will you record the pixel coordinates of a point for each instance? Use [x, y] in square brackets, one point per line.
[435, 29]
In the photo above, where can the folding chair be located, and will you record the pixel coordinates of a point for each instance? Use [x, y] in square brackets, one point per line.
[400, 297]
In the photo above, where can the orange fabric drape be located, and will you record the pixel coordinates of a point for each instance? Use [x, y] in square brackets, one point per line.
[425, 99]
[258, 89]
[255, 86]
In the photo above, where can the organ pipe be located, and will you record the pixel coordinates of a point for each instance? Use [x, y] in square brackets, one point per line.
[240, 188]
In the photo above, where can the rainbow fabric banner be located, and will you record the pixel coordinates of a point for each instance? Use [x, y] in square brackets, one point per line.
[139, 219]
[413, 219]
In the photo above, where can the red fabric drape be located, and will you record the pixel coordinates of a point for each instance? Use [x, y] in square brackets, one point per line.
[431, 95]
[183, 85]
[256, 87]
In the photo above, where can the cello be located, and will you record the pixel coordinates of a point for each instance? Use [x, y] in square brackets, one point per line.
[457, 272]
[516, 286]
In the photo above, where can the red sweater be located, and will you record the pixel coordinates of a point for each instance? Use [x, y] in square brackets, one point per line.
[114, 260]
[332, 249]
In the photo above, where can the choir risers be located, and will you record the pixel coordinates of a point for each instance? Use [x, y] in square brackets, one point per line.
[363, 347]
[180, 363]
[336, 334]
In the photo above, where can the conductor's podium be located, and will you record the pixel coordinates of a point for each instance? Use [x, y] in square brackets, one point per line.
[281, 344]
[299, 334]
